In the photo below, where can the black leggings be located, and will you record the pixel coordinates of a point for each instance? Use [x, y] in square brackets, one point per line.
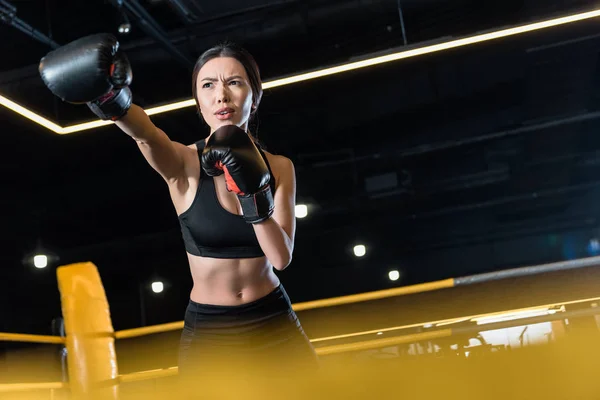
[264, 336]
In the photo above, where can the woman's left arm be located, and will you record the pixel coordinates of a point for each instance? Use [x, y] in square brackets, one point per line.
[276, 234]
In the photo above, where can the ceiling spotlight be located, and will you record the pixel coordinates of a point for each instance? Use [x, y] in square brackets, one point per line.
[157, 287]
[124, 28]
[40, 261]
[301, 210]
[40, 256]
[394, 275]
[124, 24]
[360, 250]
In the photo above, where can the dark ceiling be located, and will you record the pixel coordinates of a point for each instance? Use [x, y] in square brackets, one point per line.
[469, 160]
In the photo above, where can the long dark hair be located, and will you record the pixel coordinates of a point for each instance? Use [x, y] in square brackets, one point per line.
[231, 49]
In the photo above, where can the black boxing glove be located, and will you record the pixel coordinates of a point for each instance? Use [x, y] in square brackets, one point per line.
[232, 152]
[90, 70]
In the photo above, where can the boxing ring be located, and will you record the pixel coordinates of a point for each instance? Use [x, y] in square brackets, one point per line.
[92, 361]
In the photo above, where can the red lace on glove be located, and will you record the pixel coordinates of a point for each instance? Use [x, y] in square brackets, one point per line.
[230, 183]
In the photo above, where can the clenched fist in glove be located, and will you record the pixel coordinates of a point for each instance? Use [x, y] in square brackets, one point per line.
[90, 70]
[231, 151]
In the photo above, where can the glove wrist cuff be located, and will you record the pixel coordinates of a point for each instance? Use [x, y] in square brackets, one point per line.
[112, 106]
[259, 206]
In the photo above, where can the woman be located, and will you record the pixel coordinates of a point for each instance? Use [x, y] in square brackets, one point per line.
[235, 203]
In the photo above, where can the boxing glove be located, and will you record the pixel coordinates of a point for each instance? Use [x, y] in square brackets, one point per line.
[232, 152]
[90, 70]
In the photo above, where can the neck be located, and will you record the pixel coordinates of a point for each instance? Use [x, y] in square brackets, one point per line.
[243, 127]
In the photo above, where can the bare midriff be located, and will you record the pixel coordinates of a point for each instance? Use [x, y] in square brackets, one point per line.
[231, 282]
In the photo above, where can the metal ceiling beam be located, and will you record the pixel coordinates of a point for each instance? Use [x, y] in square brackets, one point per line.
[392, 152]
[153, 29]
[248, 23]
[402, 23]
[8, 15]
[188, 11]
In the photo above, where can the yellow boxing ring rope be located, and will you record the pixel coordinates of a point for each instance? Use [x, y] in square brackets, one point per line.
[25, 338]
[82, 291]
[17, 387]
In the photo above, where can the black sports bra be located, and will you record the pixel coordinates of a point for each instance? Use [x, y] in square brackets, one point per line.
[209, 230]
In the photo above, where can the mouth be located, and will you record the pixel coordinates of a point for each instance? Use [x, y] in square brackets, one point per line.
[224, 113]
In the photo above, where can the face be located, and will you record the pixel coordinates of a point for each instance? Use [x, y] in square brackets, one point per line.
[224, 93]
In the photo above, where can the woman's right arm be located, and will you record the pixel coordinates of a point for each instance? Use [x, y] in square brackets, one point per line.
[92, 70]
[167, 157]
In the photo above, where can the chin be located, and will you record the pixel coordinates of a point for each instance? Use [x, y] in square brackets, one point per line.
[240, 124]
[219, 124]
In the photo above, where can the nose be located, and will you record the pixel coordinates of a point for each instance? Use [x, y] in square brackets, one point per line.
[223, 94]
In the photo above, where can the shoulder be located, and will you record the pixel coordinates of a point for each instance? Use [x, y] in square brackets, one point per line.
[282, 167]
[279, 163]
[278, 160]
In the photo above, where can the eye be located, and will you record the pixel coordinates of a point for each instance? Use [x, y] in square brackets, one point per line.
[236, 82]
[206, 85]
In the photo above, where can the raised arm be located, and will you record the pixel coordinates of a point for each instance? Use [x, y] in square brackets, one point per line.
[167, 157]
[92, 70]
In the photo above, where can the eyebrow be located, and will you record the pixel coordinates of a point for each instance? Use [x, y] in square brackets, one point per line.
[215, 79]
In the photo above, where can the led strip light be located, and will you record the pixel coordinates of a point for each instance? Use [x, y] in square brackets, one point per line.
[321, 72]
